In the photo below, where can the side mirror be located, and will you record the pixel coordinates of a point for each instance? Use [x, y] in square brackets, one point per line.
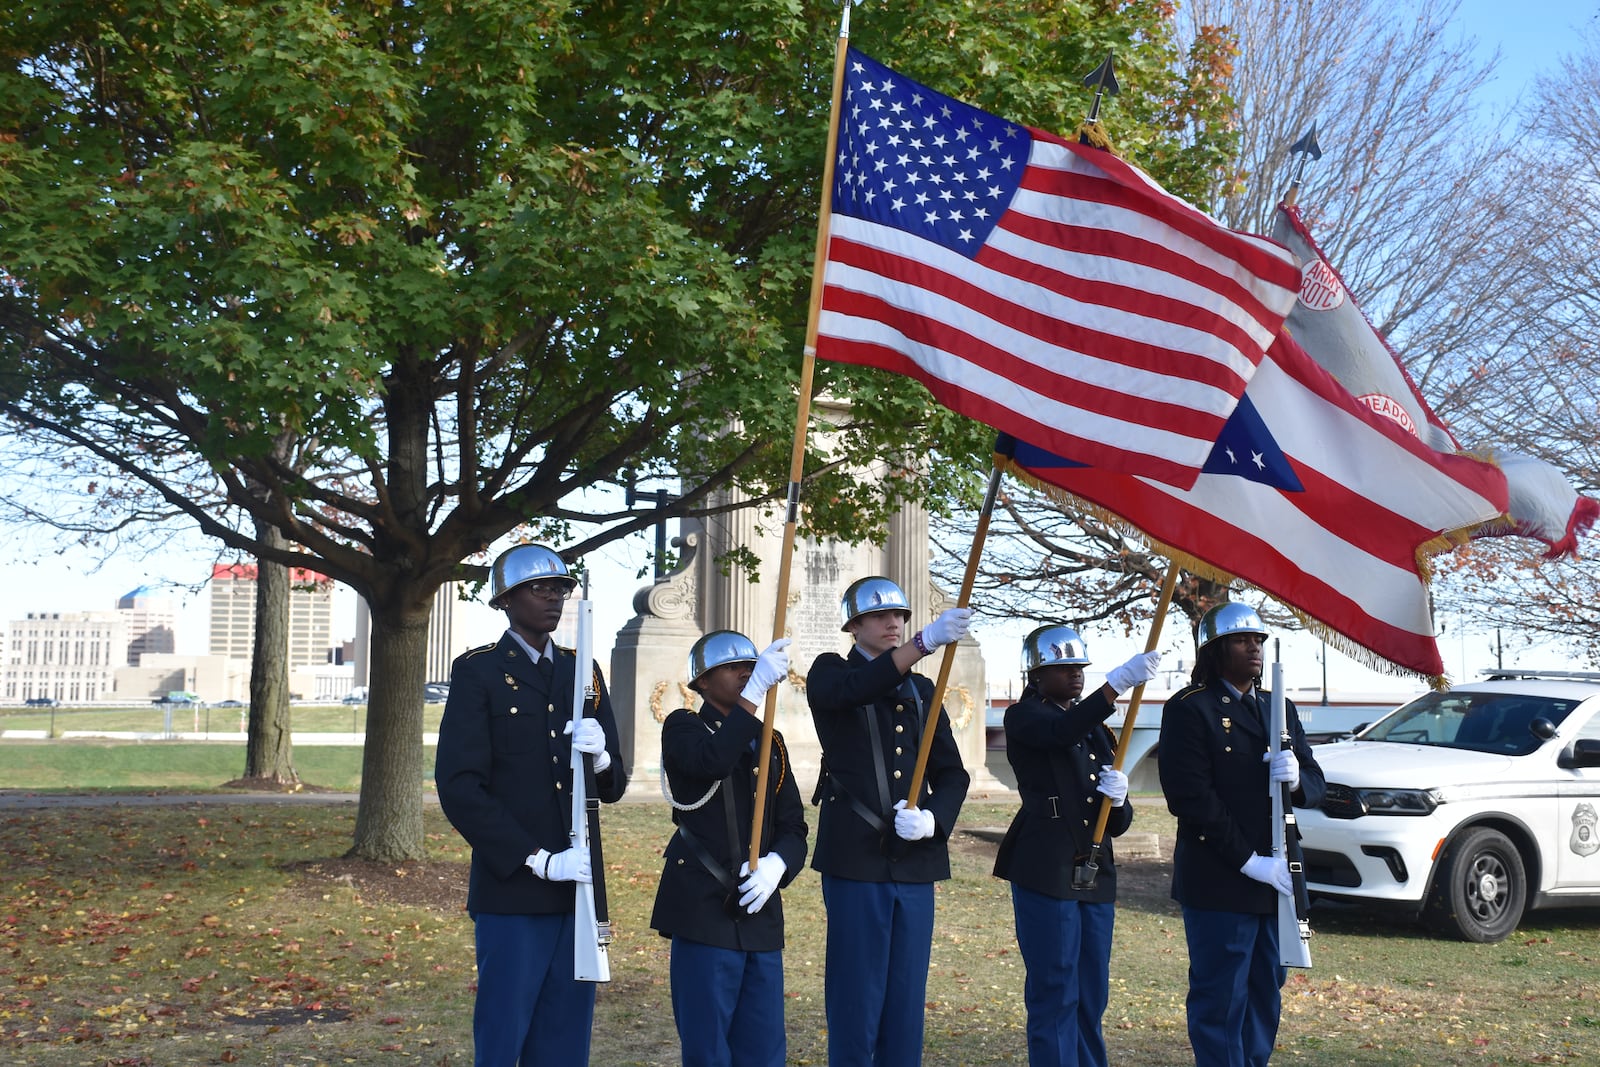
[1542, 728]
[1584, 752]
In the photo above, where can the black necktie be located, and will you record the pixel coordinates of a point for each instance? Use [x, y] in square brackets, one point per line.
[547, 668]
[1250, 702]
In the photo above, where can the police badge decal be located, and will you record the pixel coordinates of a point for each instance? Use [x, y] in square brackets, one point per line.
[1585, 840]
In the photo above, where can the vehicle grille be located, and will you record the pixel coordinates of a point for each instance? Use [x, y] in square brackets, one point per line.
[1330, 868]
[1342, 802]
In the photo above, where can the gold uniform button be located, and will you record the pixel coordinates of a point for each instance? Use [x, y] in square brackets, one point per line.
[680, 863]
[558, 786]
[513, 711]
[1227, 748]
[550, 708]
[899, 707]
[552, 733]
[899, 727]
[898, 751]
[1093, 776]
[897, 774]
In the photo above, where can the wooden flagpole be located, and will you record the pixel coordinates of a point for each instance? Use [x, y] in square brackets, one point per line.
[1002, 463]
[797, 454]
[1084, 874]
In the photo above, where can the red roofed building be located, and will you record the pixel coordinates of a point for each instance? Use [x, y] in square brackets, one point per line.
[233, 614]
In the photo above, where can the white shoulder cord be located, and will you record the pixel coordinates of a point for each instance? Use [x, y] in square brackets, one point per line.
[666, 790]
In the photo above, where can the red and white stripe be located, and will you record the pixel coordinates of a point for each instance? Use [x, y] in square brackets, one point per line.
[1345, 550]
[1103, 318]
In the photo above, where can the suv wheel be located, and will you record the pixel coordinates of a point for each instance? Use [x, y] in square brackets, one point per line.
[1480, 888]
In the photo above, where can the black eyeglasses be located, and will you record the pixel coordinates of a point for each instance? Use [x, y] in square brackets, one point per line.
[549, 589]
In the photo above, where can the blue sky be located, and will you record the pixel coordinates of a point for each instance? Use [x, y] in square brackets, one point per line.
[1531, 35]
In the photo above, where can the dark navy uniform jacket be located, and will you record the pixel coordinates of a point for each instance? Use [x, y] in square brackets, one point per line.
[1215, 782]
[504, 771]
[698, 750]
[1057, 754]
[838, 687]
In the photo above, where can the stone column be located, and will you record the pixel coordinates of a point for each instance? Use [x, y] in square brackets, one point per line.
[647, 667]
[905, 556]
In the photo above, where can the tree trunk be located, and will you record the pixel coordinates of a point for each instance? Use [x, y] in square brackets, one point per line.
[389, 817]
[269, 749]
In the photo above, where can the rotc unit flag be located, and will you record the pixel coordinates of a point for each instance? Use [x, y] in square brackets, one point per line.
[1334, 331]
[1314, 499]
[1046, 288]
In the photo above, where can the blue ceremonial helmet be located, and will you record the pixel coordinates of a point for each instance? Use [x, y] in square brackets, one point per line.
[718, 649]
[525, 563]
[1229, 618]
[1051, 645]
[867, 595]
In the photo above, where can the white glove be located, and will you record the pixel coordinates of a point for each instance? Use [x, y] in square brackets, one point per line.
[949, 627]
[1274, 872]
[571, 865]
[1137, 671]
[912, 824]
[1114, 784]
[1285, 768]
[772, 667]
[758, 888]
[591, 740]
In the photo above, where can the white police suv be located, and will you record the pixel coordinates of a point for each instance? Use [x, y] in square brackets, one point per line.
[1466, 807]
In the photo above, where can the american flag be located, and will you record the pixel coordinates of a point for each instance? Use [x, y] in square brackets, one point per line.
[1044, 287]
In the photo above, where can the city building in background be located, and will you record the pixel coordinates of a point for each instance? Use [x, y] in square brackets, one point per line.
[233, 614]
[64, 655]
[441, 632]
[442, 649]
[150, 624]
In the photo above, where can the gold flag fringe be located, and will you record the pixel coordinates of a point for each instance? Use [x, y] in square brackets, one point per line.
[1199, 567]
[1095, 135]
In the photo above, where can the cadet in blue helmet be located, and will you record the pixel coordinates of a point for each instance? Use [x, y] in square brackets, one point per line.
[504, 773]
[880, 857]
[1061, 751]
[1215, 774]
[726, 921]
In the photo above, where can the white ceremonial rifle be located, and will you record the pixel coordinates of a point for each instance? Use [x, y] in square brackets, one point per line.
[592, 922]
[1294, 924]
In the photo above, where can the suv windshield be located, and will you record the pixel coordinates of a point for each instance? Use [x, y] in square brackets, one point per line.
[1481, 722]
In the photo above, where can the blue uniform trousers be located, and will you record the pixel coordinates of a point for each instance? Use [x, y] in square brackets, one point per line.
[728, 1006]
[1235, 978]
[880, 936]
[1066, 948]
[530, 1009]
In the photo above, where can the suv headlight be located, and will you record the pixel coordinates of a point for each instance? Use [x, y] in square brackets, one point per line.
[1399, 801]
[1352, 802]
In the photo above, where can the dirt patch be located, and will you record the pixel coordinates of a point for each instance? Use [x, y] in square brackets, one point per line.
[1141, 882]
[434, 884]
[269, 785]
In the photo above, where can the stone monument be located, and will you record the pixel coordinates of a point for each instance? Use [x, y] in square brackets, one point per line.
[709, 591]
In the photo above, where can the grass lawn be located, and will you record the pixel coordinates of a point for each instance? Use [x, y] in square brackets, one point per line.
[191, 934]
[213, 722]
[197, 766]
